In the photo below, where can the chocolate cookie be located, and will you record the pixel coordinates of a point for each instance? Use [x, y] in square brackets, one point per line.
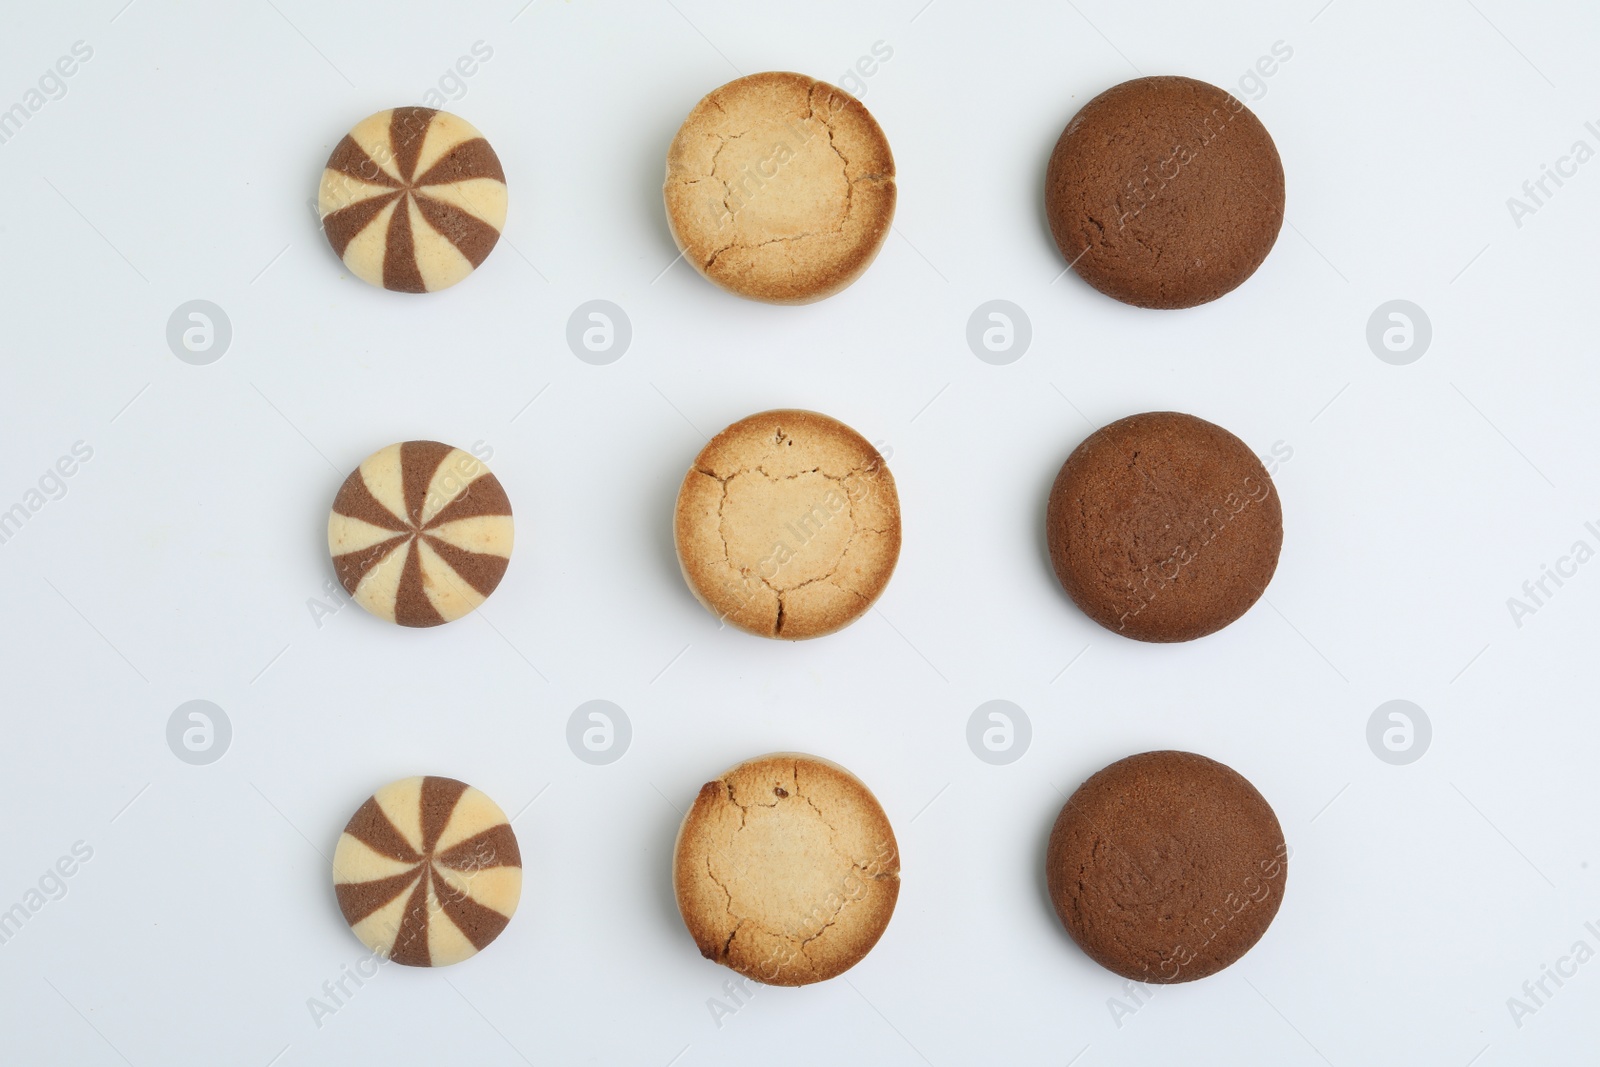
[788, 525]
[427, 872]
[413, 199]
[786, 869]
[1164, 527]
[420, 533]
[1165, 192]
[780, 188]
[1166, 867]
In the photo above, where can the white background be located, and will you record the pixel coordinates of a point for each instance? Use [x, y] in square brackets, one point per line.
[179, 564]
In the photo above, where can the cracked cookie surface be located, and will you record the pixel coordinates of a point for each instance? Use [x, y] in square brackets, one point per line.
[786, 869]
[788, 525]
[1165, 192]
[1164, 527]
[1166, 866]
[780, 188]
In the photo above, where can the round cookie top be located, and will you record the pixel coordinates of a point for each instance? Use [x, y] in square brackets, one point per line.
[1166, 866]
[788, 525]
[780, 188]
[420, 533]
[1164, 527]
[413, 199]
[786, 869]
[427, 871]
[1165, 192]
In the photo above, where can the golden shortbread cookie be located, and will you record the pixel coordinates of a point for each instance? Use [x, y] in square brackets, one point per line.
[780, 188]
[788, 525]
[786, 869]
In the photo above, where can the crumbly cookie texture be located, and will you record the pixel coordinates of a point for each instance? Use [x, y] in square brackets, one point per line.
[427, 872]
[1166, 866]
[786, 869]
[1165, 192]
[1164, 527]
[780, 188]
[413, 199]
[788, 525]
[420, 533]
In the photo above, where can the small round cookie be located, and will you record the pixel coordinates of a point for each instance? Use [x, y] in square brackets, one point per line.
[1165, 192]
[780, 188]
[427, 872]
[413, 199]
[1166, 867]
[420, 533]
[1164, 527]
[788, 525]
[786, 869]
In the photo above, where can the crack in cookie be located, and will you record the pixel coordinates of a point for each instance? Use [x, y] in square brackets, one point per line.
[786, 869]
[762, 188]
[788, 525]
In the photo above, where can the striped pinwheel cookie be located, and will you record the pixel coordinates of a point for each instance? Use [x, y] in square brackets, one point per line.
[413, 199]
[420, 533]
[427, 872]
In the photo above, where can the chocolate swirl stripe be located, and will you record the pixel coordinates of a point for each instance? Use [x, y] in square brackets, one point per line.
[427, 872]
[413, 199]
[420, 533]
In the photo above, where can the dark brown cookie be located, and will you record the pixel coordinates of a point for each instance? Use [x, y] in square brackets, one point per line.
[1165, 192]
[1164, 527]
[1166, 867]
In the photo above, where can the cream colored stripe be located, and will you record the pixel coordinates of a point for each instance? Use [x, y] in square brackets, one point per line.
[484, 197]
[355, 861]
[352, 535]
[449, 594]
[439, 262]
[402, 802]
[485, 533]
[372, 134]
[378, 930]
[446, 943]
[474, 813]
[381, 471]
[456, 471]
[340, 190]
[444, 133]
[380, 588]
[499, 888]
[364, 254]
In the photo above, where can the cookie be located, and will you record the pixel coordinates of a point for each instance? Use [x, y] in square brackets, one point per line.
[780, 188]
[420, 533]
[413, 199]
[1166, 867]
[1164, 192]
[427, 872]
[786, 869]
[788, 525]
[1164, 527]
